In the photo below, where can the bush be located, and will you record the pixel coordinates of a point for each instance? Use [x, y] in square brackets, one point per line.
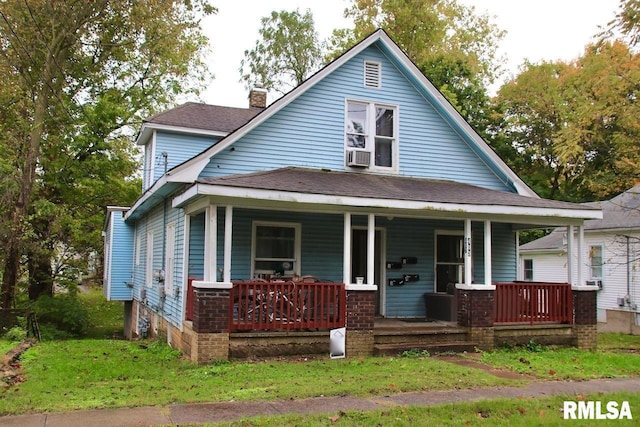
[65, 312]
[17, 333]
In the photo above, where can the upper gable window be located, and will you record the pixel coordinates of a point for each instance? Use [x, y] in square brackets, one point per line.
[372, 74]
[371, 133]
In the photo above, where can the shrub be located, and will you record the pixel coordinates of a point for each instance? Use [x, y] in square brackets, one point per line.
[64, 311]
[17, 333]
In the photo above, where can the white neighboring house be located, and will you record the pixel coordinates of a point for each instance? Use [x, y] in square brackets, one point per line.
[612, 261]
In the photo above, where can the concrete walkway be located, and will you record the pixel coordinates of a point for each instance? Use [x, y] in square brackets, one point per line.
[227, 411]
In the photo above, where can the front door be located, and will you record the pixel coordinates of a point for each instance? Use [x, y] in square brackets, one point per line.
[359, 260]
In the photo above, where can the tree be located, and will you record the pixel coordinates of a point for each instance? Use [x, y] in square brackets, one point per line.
[627, 21]
[450, 44]
[287, 52]
[76, 76]
[574, 125]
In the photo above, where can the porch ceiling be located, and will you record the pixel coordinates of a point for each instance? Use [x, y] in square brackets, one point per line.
[394, 193]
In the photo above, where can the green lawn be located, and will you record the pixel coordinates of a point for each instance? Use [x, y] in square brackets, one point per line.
[101, 372]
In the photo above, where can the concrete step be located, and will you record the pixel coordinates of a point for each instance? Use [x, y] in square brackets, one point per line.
[394, 349]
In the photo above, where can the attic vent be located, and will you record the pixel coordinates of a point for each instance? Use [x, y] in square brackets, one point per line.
[372, 74]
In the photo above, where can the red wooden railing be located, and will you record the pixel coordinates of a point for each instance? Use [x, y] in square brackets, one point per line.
[270, 306]
[533, 302]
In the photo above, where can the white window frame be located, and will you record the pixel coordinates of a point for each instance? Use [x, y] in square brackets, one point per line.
[378, 72]
[524, 269]
[149, 260]
[297, 245]
[591, 266]
[370, 132]
[170, 258]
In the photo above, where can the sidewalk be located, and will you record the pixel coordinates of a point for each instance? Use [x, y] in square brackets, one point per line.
[227, 411]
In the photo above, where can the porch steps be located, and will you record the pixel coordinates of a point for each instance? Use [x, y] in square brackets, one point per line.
[395, 349]
[393, 338]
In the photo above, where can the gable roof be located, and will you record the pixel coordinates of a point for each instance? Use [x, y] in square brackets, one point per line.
[191, 169]
[620, 213]
[194, 117]
[389, 192]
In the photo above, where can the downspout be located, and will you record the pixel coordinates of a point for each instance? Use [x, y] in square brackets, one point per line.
[628, 270]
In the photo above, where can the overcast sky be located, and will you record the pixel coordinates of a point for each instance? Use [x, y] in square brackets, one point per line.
[536, 30]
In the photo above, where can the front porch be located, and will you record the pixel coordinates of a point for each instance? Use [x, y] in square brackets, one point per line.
[221, 330]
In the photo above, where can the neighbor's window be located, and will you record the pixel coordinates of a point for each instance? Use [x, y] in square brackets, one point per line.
[276, 248]
[595, 261]
[528, 270]
[373, 127]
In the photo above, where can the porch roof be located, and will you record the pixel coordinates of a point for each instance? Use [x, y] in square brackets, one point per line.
[375, 190]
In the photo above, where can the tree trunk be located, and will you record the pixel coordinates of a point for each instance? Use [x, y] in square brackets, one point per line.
[40, 277]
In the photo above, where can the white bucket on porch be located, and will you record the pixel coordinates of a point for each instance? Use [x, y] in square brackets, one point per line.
[337, 343]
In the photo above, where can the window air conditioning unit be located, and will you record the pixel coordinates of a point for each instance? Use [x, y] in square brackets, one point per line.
[358, 158]
[597, 283]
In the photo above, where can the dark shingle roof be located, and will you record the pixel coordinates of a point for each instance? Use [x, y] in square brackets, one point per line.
[205, 117]
[620, 213]
[352, 184]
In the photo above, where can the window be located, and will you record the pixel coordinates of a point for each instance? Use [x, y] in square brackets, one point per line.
[373, 127]
[449, 260]
[170, 249]
[276, 248]
[595, 261]
[528, 270]
[149, 260]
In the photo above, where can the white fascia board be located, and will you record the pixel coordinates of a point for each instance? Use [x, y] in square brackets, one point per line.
[518, 184]
[147, 195]
[147, 128]
[367, 202]
[195, 165]
[542, 251]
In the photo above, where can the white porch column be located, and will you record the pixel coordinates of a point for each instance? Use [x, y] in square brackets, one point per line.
[570, 254]
[210, 243]
[371, 249]
[519, 266]
[580, 256]
[228, 229]
[346, 256]
[467, 252]
[487, 253]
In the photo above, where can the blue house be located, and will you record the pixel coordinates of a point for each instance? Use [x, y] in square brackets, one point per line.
[363, 182]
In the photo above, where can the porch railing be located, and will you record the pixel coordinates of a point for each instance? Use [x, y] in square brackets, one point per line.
[533, 302]
[271, 306]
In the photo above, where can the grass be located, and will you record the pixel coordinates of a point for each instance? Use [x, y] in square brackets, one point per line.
[565, 363]
[109, 373]
[498, 412]
[96, 372]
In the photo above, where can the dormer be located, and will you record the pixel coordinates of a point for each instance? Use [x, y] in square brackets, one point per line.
[175, 136]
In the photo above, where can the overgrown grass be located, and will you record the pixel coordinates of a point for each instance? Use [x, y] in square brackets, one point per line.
[6, 345]
[499, 412]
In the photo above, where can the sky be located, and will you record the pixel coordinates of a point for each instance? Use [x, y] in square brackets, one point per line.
[536, 30]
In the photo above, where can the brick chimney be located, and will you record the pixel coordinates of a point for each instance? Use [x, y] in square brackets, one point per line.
[258, 97]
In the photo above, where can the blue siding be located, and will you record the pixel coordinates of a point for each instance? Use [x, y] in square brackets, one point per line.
[309, 132]
[120, 239]
[155, 221]
[322, 250]
[179, 148]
